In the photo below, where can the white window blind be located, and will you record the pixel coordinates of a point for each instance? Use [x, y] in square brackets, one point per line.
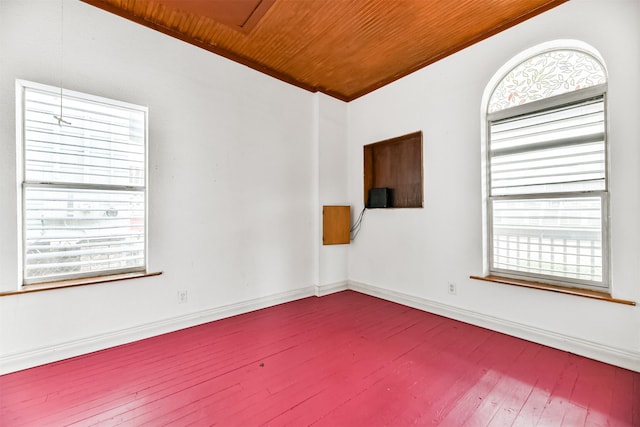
[561, 149]
[547, 185]
[83, 185]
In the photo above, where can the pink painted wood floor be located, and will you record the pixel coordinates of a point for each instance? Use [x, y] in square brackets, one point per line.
[342, 360]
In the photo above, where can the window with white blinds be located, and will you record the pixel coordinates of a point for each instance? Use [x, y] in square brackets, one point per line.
[557, 150]
[83, 184]
[547, 190]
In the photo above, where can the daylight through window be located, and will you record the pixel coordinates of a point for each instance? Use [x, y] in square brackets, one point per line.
[83, 184]
[547, 199]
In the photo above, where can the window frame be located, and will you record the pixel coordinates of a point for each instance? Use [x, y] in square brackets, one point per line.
[22, 184]
[545, 104]
[549, 279]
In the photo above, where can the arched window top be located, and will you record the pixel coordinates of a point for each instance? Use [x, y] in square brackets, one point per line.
[552, 72]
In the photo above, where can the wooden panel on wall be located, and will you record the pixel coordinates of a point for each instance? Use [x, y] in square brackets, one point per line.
[397, 164]
[336, 222]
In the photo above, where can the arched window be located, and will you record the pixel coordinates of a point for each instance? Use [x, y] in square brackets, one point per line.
[545, 151]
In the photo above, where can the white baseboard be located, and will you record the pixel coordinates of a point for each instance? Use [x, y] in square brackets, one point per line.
[23, 360]
[322, 290]
[28, 359]
[614, 356]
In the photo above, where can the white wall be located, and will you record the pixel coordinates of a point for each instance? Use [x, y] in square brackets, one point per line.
[240, 165]
[332, 120]
[411, 254]
[233, 181]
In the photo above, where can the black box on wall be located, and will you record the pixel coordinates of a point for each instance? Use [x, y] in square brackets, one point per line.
[380, 198]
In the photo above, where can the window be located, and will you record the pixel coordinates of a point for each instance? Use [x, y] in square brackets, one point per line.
[546, 169]
[83, 171]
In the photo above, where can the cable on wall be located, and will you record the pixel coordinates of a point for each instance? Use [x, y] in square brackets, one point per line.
[355, 228]
[60, 118]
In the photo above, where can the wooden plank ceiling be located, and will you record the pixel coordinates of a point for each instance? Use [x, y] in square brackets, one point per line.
[344, 48]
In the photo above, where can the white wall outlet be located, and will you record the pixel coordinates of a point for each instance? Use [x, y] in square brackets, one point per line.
[182, 296]
[451, 288]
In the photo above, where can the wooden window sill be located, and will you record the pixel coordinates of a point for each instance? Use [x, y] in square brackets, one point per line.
[72, 283]
[587, 293]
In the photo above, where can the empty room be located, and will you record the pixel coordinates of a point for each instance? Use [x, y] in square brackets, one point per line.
[319, 212]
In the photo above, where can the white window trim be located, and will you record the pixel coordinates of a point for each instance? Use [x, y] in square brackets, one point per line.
[554, 280]
[20, 86]
[564, 44]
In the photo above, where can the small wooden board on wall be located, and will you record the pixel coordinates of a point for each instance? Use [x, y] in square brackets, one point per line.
[336, 222]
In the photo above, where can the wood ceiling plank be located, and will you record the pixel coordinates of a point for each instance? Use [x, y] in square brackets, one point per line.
[343, 48]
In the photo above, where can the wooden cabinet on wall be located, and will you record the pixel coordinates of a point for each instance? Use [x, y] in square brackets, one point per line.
[396, 164]
[336, 222]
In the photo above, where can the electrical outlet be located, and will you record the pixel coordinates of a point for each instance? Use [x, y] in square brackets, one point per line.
[451, 288]
[182, 296]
